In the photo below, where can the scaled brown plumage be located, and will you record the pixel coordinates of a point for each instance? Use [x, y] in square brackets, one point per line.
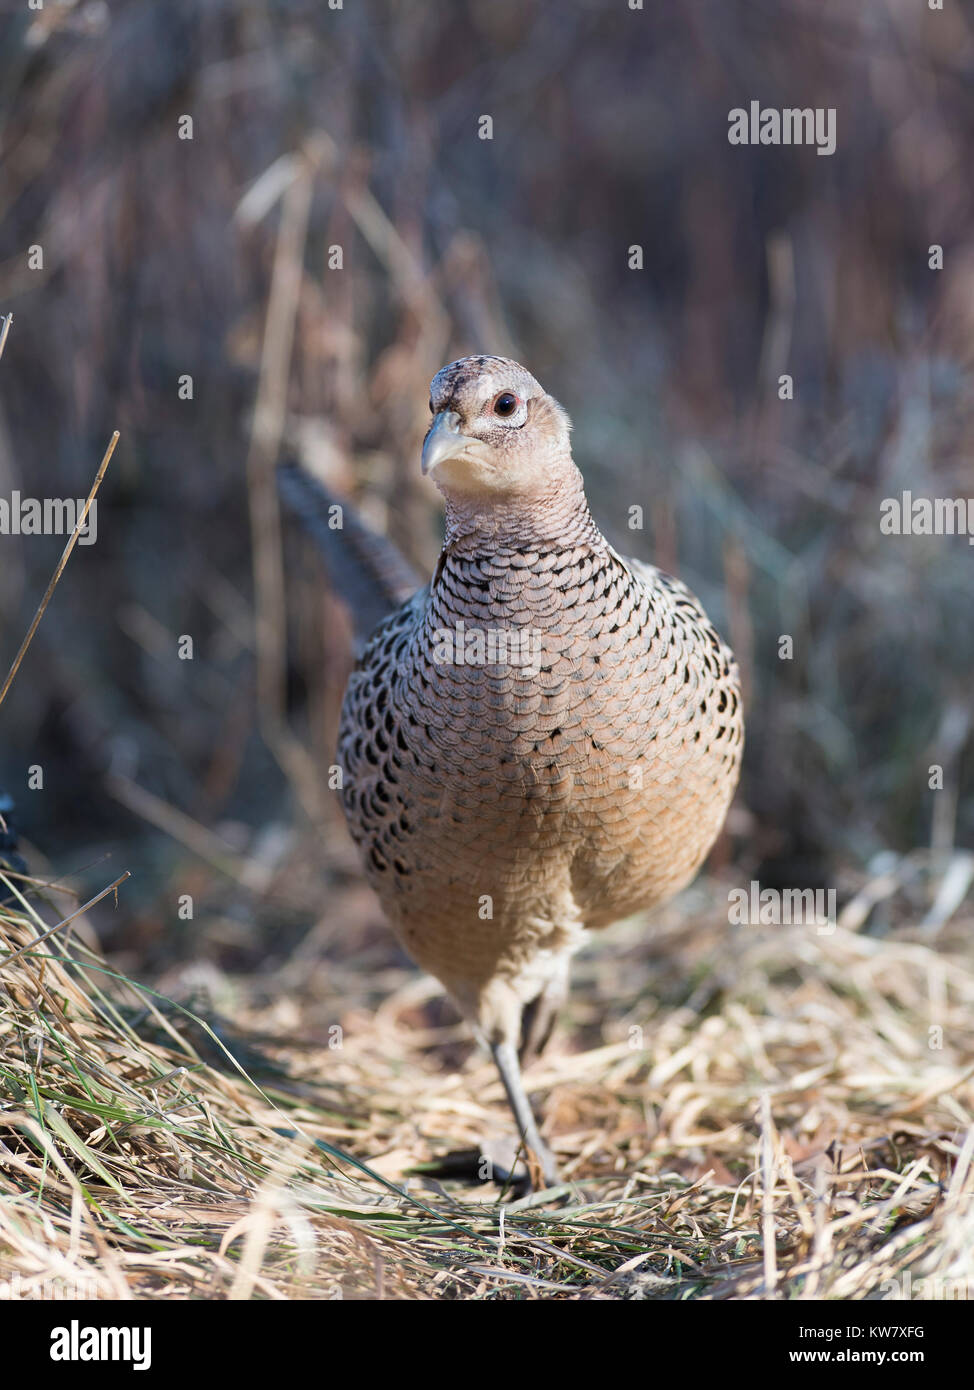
[541, 741]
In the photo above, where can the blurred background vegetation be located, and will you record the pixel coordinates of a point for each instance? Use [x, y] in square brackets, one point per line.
[357, 128]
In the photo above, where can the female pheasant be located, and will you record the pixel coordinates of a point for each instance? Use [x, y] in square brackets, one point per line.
[542, 740]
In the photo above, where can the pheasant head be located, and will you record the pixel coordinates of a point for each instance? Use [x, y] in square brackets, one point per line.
[496, 434]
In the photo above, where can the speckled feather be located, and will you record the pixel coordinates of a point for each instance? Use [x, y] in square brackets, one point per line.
[503, 811]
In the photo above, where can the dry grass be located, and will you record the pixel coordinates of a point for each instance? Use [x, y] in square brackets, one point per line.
[753, 1113]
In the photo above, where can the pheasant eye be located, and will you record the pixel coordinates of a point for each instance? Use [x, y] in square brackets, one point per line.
[506, 403]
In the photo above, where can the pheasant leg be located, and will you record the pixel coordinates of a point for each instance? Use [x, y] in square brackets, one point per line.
[505, 1057]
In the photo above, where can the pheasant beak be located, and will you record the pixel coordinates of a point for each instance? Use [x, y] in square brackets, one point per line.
[444, 440]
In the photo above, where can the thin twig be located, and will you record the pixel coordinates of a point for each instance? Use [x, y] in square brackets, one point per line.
[769, 1177]
[270, 413]
[7, 959]
[185, 830]
[65, 556]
